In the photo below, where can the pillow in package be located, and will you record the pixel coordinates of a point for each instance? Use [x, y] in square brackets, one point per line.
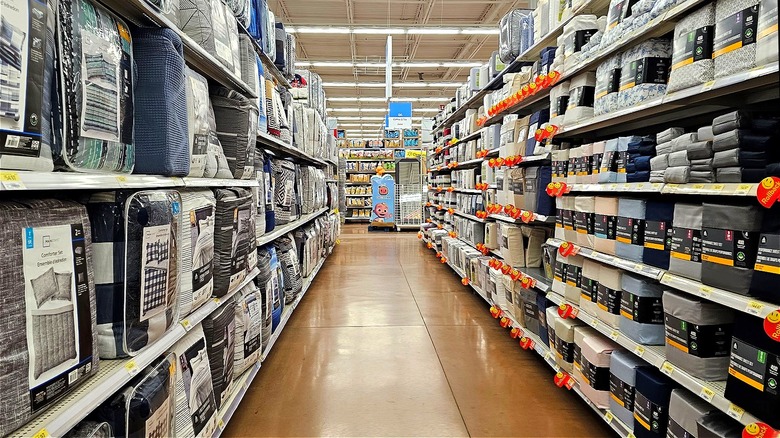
[136, 242]
[195, 405]
[51, 340]
[197, 249]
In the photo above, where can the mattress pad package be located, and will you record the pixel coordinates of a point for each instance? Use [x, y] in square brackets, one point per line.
[692, 49]
[97, 77]
[572, 288]
[146, 406]
[589, 286]
[249, 328]
[197, 249]
[236, 118]
[685, 251]
[28, 79]
[195, 406]
[206, 23]
[137, 244]
[622, 384]
[48, 305]
[593, 373]
[604, 224]
[198, 127]
[754, 365]
[651, 403]
[734, 46]
[698, 334]
[291, 268]
[234, 239]
[160, 104]
[220, 331]
[90, 429]
[684, 410]
[265, 286]
[564, 342]
[630, 227]
[609, 295]
[641, 310]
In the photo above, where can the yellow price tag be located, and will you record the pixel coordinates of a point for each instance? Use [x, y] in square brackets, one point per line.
[707, 394]
[718, 187]
[631, 435]
[707, 86]
[43, 433]
[735, 412]
[698, 186]
[640, 186]
[131, 367]
[186, 324]
[609, 417]
[667, 368]
[335, 211]
[338, 241]
[121, 179]
[11, 181]
[614, 335]
[594, 322]
[743, 189]
[217, 301]
[639, 350]
[221, 424]
[754, 308]
[705, 291]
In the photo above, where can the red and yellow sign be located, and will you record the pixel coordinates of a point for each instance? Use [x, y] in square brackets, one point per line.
[768, 191]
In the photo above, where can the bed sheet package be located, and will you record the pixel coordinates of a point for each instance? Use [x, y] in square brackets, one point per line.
[685, 409]
[160, 104]
[685, 250]
[97, 82]
[581, 98]
[220, 332]
[692, 62]
[584, 219]
[697, 335]
[136, 242]
[652, 60]
[755, 363]
[560, 164]
[530, 310]
[206, 22]
[536, 198]
[236, 118]
[622, 382]
[90, 429]
[534, 238]
[248, 328]
[291, 267]
[542, 304]
[629, 229]
[265, 285]
[197, 249]
[559, 101]
[198, 126]
[48, 305]
[572, 288]
[145, 407]
[765, 274]
[234, 239]
[284, 190]
[594, 356]
[564, 343]
[641, 310]
[734, 45]
[195, 405]
[551, 316]
[589, 287]
[605, 223]
[659, 216]
[28, 79]
[576, 34]
[767, 39]
[651, 403]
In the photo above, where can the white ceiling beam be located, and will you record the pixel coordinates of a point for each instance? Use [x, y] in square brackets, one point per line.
[423, 15]
[421, 29]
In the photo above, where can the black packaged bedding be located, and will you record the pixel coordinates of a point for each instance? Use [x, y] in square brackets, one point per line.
[136, 242]
[195, 405]
[90, 429]
[284, 190]
[236, 118]
[291, 268]
[97, 84]
[219, 328]
[197, 249]
[48, 306]
[161, 133]
[145, 407]
[205, 22]
[234, 239]
[264, 283]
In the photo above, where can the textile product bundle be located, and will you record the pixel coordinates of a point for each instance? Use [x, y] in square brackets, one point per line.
[284, 190]
[197, 249]
[265, 285]
[198, 126]
[658, 233]
[605, 222]
[241, 10]
[685, 409]
[728, 57]
[641, 311]
[136, 242]
[160, 104]
[559, 101]
[551, 315]
[573, 283]
[97, 83]
[288, 259]
[765, 274]
[686, 247]
[536, 197]
[608, 169]
[584, 219]
[743, 148]
[576, 33]
[654, 56]
[639, 152]
[697, 335]
[236, 118]
[537, 120]
[575, 155]
[219, 329]
[607, 85]
[560, 210]
[234, 239]
[694, 32]
[729, 245]
[277, 287]
[595, 353]
[564, 343]
[90, 429]
[651, 403]
[569, 230]
[250, 72]
[542, 304]
[514, 34]
[270, 194]
[630, 227]
[50, 335]
[146, 406]
[560, 165]
[609, 295]
[259, 193]
[206, 22]
[622, 382]
[529, 299]
[581, 99]
[559, 276]
[752, 350]
[248, 327]
[512, 245]
[195, 406]
[767, 39]
[589, 286]
[534, 238]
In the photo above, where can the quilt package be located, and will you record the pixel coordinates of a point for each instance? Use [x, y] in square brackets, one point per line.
[146, 406]
[291, 268]
[198, 127]
[515, 34]
[249, 328]
[234, 239]
[96, 80]
[236, 118]
[219, 328]
[259, 193]
[195, 409]
[48, 305]
[136, 242]
[265, 285]
[90, 429]
[284, 190]
[197, 249]
[205, 21]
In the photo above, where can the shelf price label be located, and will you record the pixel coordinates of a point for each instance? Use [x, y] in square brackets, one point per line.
[735, 412]
[614, 335]
[754, 308]
[608, 417]
[186, 324]
[667, 368]
[707, 393]
[132, 368]
[639, 350]
[705, 291]
[11, 181]
[43, 433]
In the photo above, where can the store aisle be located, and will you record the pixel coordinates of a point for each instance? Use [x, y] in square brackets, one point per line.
[387, 342]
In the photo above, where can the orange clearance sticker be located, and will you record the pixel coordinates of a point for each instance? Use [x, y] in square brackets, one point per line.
[768, 191]
[464, 281]
[527, 343]
[759, 430]
[515, 333]
[772, 325]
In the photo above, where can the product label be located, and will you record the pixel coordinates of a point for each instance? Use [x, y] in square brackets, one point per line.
[649, 70]
[608, 299]
[155, 255]
[573, 275]
[568, 220]
[57, 310]
[755, 367]
[736, 31]
[585, 222]
[561, 104]
[697, 340]
[610, 83]
[644, 310]
[564, 350]
[658, 235]
[767, 23]
[649, 415]
[577, 360]
[622, 160]
[621, 392]
[579, 38]
[590, 289]
[609, 162]
[572, 171]
[629, 230]
[768, 254]
[159, 419]
[677, 431]
[693, 46]
[196, 373]
[729, 247]
[559, 169]
[686, 244]
[253, 324]
[596, 377]
[530, 310]
[605, 227]
[560, 271]
[202, 241]
[581, 96]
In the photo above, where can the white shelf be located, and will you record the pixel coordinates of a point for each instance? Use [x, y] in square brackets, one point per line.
[267, 141]
[27, 180]
[468, 216]
[626, 265]
[642, 187]
[358, 196]
[709, 189]
[281, 230]
[113, 375]
[535, 218]
[729, 299]
[471, 191]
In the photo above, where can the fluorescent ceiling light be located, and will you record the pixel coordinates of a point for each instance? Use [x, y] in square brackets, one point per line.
[420, 99]
[421, 64]
[429, 30]
[395, 84]
[427, 110]
[376, 119]
[357, 99]
[367, 110]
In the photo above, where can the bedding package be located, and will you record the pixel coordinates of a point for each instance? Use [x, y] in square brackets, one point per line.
[195, 405]
[234, 239]
[197, 249]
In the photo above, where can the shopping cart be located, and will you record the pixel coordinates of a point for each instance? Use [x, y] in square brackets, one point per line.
[408, 194]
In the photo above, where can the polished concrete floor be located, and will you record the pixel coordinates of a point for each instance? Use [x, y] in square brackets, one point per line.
[387, 342]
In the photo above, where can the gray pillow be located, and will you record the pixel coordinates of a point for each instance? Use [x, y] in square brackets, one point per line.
[63, 286]
[44, 286]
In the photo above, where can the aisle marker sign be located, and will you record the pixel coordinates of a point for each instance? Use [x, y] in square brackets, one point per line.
[399, 115]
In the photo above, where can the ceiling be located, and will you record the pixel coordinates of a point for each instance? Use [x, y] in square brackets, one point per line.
[354, 33]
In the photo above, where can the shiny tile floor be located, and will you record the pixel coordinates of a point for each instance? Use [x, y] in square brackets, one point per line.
[387, 342]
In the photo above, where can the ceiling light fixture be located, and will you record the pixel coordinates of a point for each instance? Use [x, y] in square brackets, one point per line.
[470, 30]
[422, 64]
[395, 84]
